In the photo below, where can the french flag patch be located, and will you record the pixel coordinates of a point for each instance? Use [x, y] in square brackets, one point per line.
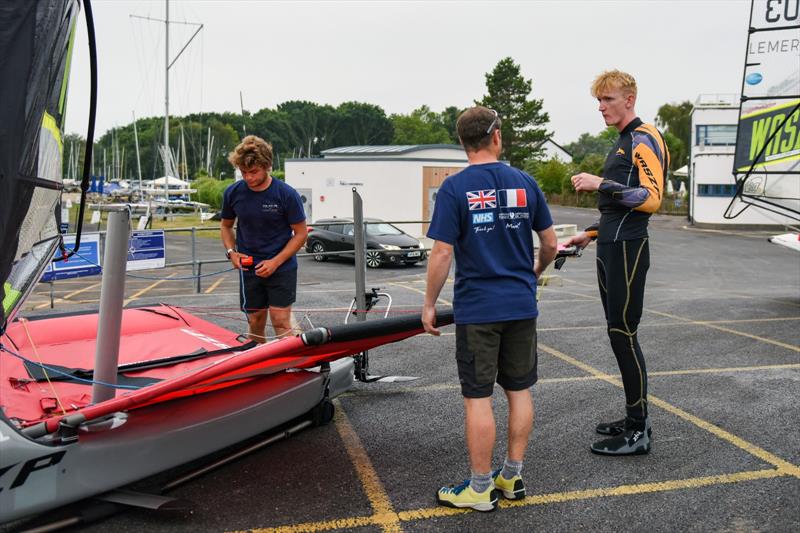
[512, 198]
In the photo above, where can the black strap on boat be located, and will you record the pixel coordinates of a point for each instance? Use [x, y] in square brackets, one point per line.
[38, 373]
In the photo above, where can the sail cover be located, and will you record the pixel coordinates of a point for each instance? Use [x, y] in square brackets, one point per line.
[35, 48]
[767, 158]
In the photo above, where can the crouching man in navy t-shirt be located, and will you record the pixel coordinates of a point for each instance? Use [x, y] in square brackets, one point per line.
[485, 217]
[271, 228]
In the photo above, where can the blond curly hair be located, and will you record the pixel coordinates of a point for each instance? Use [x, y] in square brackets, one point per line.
[252, 152]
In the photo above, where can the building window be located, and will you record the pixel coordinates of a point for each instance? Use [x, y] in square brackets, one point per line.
[716, 189]
[716, 135]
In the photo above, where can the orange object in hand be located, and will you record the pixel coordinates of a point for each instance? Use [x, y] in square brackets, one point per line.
[246, 261]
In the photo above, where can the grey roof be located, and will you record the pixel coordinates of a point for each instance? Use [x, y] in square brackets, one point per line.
[387, 150]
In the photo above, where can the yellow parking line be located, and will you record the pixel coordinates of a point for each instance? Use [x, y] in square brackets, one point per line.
[543, 381]
[728, 330]
[539, 499]
[713, 325]
[722, 370]
[782, 465]
[373, 487]
[679, 323]
[146, 289]
[442, 300]
[621, 490]
[70, 295]
[214, 285]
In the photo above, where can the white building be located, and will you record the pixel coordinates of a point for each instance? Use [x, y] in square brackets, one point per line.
[396, 183]
[714, 122]
[552, 149]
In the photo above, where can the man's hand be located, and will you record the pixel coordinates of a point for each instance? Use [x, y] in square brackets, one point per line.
[429, 320]
[236, 260]
[586, 182]
[581, 240]
[266, 268]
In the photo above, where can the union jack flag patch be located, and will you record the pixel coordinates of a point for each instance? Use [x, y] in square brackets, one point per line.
[485, 199]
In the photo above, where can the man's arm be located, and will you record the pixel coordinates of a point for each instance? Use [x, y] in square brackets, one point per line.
[647, 196]
[229, 240]
[548, 245]
[268, 267]
[438, 269]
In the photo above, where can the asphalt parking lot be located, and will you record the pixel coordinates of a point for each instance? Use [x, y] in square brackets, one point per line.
[720, 337]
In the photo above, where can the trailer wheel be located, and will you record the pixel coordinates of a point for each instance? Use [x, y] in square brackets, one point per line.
[322, 413]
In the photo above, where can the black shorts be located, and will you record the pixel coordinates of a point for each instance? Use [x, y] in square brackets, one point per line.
[499, 351]
[256, 293]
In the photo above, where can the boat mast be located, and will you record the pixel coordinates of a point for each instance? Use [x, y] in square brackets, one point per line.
[166, 101]
[138, 162]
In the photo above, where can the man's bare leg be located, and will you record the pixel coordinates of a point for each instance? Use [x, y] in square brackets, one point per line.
[281, 318]
[520, 422]
[480, 432]
[257, 320]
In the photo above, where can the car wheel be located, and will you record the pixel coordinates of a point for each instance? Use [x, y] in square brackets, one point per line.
[373, 259]
[319, 248]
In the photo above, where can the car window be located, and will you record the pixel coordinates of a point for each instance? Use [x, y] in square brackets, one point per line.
[335, 228]
[382, 228]
[348, 230]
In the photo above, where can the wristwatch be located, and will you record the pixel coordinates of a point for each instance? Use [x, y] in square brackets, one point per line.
[228, 252]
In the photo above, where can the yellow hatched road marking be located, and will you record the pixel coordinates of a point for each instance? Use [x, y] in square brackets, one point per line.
[146, 289]
[782, 465]
[214, 285]
[70, 295]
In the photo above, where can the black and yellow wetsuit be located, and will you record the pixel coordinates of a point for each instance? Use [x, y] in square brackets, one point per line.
[632, 188]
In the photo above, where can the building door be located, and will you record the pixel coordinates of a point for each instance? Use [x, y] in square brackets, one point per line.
[305, 197]
[432, 179]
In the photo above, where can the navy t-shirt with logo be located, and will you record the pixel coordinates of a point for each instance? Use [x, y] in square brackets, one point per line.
[264, 219]
[488, 212]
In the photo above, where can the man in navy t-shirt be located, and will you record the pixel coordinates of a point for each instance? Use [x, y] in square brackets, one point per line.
[271, 229]
[485, 217]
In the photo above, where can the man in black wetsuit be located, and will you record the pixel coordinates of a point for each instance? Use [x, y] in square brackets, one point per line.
[629, 192]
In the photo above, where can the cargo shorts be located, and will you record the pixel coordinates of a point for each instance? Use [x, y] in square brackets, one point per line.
[504, 352]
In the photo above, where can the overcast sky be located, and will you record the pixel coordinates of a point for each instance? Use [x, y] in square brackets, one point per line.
[401, 55]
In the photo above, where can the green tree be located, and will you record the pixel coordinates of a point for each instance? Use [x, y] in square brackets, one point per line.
[524, 120]
[588, 144]
[311, 127]
[676, 119]
[448, 119]
[422, 126]
[363, 124]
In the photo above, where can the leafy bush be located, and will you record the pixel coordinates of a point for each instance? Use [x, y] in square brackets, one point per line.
[209, 190]
[552, 176]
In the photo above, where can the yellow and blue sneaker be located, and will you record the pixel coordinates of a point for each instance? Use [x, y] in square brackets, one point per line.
[464, 496]
[512, 489]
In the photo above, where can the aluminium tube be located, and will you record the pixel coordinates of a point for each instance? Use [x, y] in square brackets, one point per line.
[112, 293]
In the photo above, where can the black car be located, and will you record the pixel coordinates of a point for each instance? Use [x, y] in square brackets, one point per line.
[386, 244]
